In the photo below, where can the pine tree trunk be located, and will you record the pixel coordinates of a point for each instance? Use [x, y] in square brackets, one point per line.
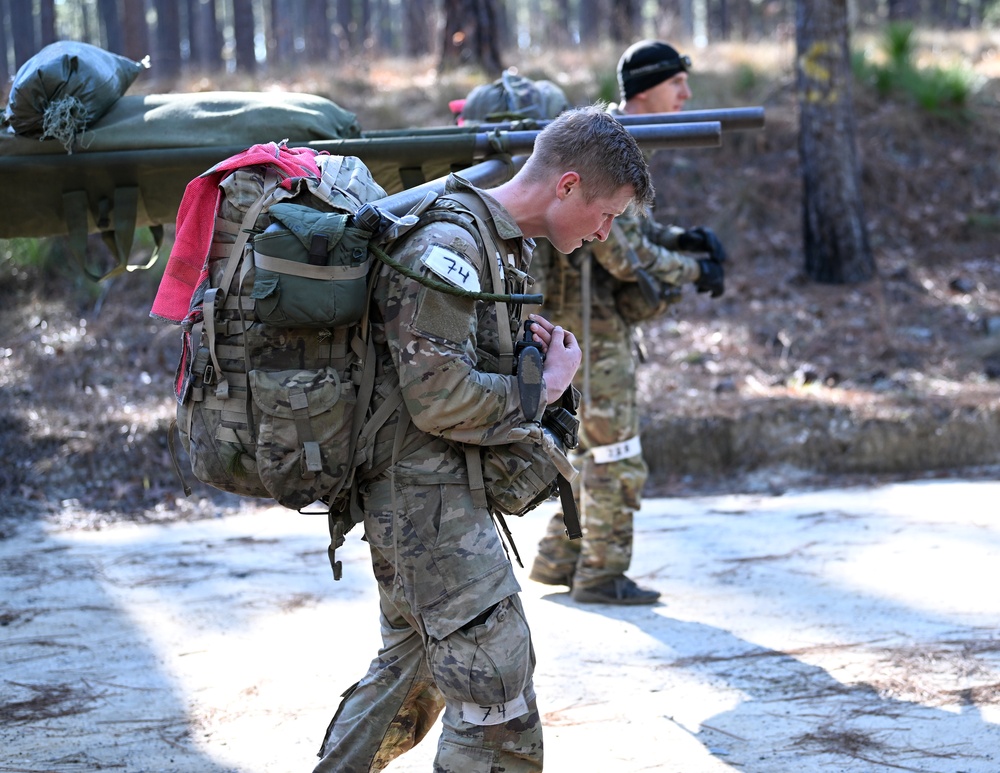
[203, 34]
[470, 35]
[136, 29]
[243, 34]
[107, 11]
[167, 61]
[22, 29]
[47, 21]
[836, 238]
[5, 73]
[417, 26]
[317, 31]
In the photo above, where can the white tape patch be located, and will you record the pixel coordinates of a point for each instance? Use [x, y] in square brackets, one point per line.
[612, 453]
[475, 714]
[451, 267]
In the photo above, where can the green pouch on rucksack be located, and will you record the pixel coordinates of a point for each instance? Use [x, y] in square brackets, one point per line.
[304, 419]
[310, 268]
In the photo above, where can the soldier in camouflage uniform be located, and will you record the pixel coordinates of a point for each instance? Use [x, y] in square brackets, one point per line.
[453, 628]
[596, 292]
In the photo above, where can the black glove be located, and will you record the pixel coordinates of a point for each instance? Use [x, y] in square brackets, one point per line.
[712, 277]
[702, 240]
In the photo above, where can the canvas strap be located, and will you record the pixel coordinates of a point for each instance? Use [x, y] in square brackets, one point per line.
[116, 219]
[299, 404]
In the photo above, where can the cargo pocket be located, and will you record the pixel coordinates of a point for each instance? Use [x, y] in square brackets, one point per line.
[304, 432]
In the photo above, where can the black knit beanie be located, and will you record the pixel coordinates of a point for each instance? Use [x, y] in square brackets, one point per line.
[646, 64]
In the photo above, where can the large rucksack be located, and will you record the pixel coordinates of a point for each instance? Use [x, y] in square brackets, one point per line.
[272, 369]
[277, 369]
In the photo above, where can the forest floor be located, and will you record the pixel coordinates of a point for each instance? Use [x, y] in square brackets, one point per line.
[782, 381]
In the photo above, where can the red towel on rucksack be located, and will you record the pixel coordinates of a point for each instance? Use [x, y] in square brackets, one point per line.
[187, 265]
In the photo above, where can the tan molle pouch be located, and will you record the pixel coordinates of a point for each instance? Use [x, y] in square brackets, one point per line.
[520, 476]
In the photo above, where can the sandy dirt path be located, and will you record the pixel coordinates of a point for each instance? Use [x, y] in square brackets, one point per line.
[837, 631]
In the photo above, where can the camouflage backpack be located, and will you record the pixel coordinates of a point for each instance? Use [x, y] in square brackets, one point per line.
[512, 97]
[273, 380]
[276, 369]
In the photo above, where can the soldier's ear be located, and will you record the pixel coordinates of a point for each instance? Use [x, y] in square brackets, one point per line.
[568, 183]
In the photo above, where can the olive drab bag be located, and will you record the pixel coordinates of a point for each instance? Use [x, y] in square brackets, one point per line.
[513, 97]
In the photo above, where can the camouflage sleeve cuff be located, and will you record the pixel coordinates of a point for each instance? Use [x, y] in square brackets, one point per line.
[637, 235]
[662, 235]
[673, 268]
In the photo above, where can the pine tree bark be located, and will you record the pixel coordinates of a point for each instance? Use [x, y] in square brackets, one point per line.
[22, 29]
[418, 27]
[167, 61]
[135, 29]
[107, 12]
[47, 21]
[591, 26]
[243, 34]
[470, 35]
[204, 36]
[317, 31]
[624, 22]
[5, 73]
[837, 250]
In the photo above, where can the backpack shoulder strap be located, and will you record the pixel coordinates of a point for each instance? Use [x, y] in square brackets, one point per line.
[493, 251]
[489, 242]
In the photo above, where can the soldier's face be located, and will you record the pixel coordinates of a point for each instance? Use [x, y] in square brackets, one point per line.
[668, 96]
[578, 220]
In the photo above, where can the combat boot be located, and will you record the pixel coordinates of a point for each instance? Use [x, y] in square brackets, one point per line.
[618, 590]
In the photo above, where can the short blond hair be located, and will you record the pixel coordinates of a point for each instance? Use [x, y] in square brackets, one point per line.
[591, 142]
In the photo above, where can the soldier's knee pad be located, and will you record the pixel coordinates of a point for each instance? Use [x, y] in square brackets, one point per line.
[486, 663]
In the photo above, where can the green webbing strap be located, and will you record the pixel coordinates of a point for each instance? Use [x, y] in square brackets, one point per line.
[299, 404]
[506, 343]
[123, 212]
[571, 515]
[366, 437]
[208, 319]
[172, 430]
[451, 289]
[234, 261]
[75, 209]
[473, 453]
[294, 268]
[119, 237]
[474, 461]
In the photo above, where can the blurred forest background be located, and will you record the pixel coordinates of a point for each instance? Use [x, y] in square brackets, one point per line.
[277, 36]
[782, 381]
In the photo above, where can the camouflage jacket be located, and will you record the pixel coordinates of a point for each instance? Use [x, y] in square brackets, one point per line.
[444, 350]
[613, 287]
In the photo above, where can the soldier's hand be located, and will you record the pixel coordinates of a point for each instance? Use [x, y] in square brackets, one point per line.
[702, 240]
[562, 356]
[712, 277]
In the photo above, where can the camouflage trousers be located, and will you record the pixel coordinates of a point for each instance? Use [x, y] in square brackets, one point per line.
[454, 635]
[607, 493]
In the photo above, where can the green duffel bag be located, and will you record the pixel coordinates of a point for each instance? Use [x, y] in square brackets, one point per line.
[130, 169]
